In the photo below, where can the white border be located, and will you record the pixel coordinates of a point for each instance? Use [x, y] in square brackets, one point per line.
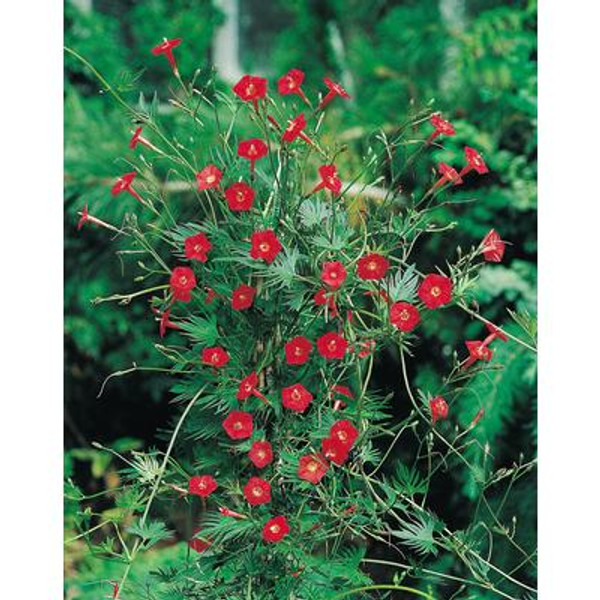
[569, 242]
[31, 252]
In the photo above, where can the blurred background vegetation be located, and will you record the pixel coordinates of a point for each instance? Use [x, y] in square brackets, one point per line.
[474, 60]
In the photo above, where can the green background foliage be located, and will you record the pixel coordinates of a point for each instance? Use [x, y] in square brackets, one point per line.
[478, 68]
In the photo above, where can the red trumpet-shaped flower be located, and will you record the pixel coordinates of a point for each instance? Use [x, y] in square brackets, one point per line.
[251, 89]
[495, 332]
[342, 390]
[478, 350]
[297, 350]
[291, 83]
[240, 197]
[296, 397]
[439, 409]
[404, 316]
[334, 451]
[275, 529]
[138, 138]
[248, 387]
[474, 162]
[344, 432]
[166, 48]
[227, 512]
[199, 544]
[166, 323]
[238, 425]
[210, 177]
[332, 346]
[252, 150]
[449, 175]
[373, 266]
[183, 281]
[243, 297]
[442, 127]
[197, 246]
[329, 180]
[85, 217]
[210, 296]
[367, 347]
[265, 246]
[321, 298]
[333, 274]
[257, 491]
[312, 467]
[435, 290]
[202, 485]
[215, 356]
[124, 184]
[261, 454]
[335, 89]
[493, 247]
[295, 129]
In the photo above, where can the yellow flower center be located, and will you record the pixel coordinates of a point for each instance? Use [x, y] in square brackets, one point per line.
[264, 247]
[435, 291]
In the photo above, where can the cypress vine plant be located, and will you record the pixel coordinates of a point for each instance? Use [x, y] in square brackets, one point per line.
[273, 295]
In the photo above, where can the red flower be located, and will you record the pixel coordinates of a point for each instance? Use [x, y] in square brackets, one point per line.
[251, 89]
[138, 138]
[439, 409]
[265, 245]
[247, 386]
[435, 290]
[202, 485]
[183, 281]
[312, 467]
[495, 332]
[199, 544]
[442, 127]
[449, 175]
[321, 299]
[333, 274]
[372, 266]
[209, 177]
[404, 316]
[296, 397]
[210, 296]
[297, 350]
[238, 425]
[367, 346]
[257, 491]
[295, 129]
[335, 89]
[493, 247]
[329, 180]
[335, 451]
[344, 391]
[196, 247]
[290, 84]
[124, 184]
[166, 323]
[85, 217]
[275, 529]
[243, 297]
[166, 48]
[474, 162]
[261, 454]
[252, 150]
[215, 356]
[344, 432]
[227, 512]
[477, 351]
[240, 197]
[332, 345]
